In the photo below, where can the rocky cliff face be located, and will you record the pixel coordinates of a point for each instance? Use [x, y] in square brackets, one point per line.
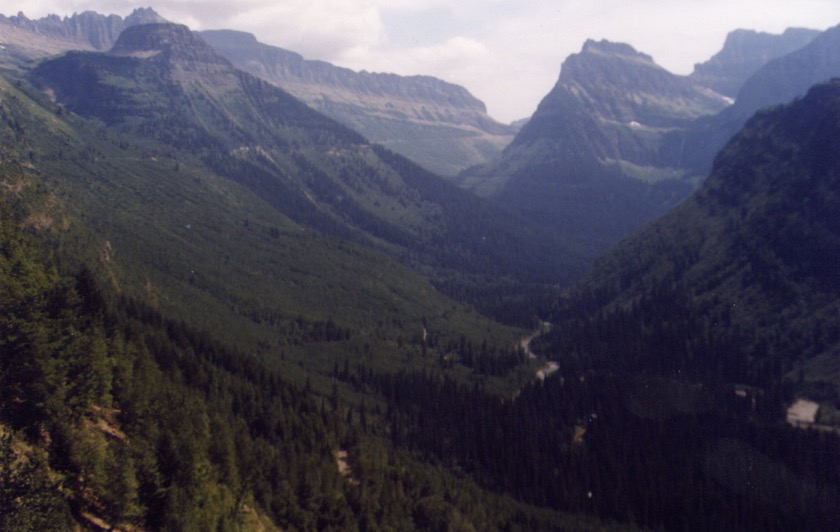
[743, 53]
[24, 39]
[777, 82]
[438, 124]
[588, 162]
[611, 107]
[616, 83]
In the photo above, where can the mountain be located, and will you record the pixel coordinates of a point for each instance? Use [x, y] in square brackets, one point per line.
[675, 358]
[163, 82]
[682, 348]
[188, 256]
[777, 82]
[588, 161]
[25, 40]
[166, 93]
[743, 53]
[219, 312]
[437, 124]
[743, 273]
[115, 417]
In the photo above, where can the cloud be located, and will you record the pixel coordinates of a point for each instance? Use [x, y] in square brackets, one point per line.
[324, 29]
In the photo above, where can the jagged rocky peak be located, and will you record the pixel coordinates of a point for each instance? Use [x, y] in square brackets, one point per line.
[176, 41]
[616, 82]
[88, 29]
[744, 52]
[605, 47]
[143, 15]
[602, 63]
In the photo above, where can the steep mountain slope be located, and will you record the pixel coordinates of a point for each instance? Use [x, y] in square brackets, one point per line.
[439, 125]
[588, 162]
[739, 282]
[162, 82]
[676, 357]
[680, 351]
[202, 248]
[113, 417]
[25, 40]
[219, 199]
[779, 81]
[743, 53]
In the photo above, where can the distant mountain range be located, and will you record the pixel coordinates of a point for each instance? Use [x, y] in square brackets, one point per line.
[616, 143]
[434, 123]
[749, 260]
[221, 308]
[164, 84]
[779, 81]
[24, 39]
[619, 140]
[744, 52]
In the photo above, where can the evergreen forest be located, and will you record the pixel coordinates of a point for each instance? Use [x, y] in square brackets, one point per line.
[222, 310]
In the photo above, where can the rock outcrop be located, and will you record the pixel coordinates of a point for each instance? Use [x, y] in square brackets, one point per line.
[743, 54]
[24, 39]
[437, 124]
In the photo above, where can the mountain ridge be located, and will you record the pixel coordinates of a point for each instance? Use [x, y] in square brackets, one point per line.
[588, 162]
[743, 53]
[311, 169]
[433, 122]
[27, 39]
[754, 249]
[776, 82]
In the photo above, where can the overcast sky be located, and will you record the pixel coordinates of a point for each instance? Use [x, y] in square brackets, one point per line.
[506, 52]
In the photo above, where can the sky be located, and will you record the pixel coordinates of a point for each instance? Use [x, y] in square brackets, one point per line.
[507, 53]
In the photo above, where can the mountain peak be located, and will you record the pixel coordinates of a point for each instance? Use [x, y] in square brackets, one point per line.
[174, 41]
[605, 47]
[157, 37]
[53, 35]
[605, 62]
[617, 82]
[744, 52]
[143, 15]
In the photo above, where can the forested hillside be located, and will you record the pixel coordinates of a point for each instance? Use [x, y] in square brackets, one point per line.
[677, 356]
[223, 310]
[743, 276]
[161, 83]
[111, 415]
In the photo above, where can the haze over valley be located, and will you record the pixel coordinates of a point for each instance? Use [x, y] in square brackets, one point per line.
[244, 289]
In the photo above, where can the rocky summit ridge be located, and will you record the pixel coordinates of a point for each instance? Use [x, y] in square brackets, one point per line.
[744, 52]
[611, 106]
[435, 123]
[588, 162]
[26, 39]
